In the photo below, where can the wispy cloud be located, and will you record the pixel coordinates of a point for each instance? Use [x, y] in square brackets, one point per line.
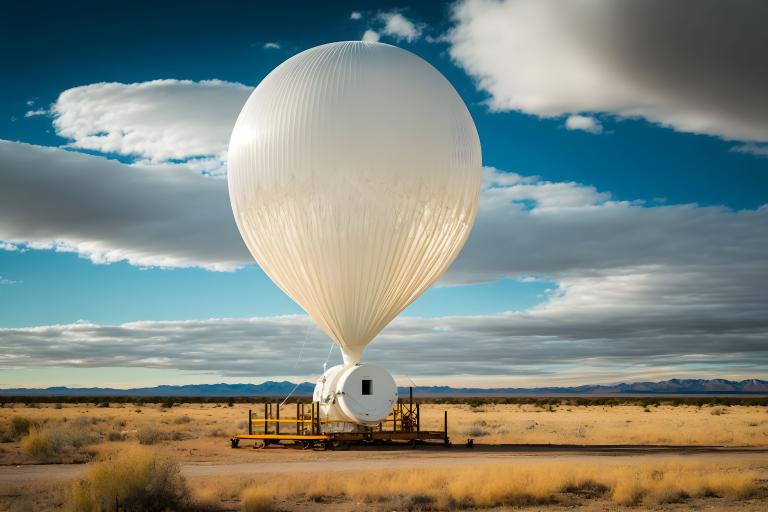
[272, 46]
[37, 112]
[752, 149]
[538, 347]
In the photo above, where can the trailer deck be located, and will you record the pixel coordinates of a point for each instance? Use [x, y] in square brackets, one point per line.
[308, 430]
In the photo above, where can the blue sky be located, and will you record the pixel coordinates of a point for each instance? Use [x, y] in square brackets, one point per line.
[621, 205]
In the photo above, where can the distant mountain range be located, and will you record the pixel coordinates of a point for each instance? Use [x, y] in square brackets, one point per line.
[271, 388]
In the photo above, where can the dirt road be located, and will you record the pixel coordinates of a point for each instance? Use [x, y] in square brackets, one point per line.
[280, 460]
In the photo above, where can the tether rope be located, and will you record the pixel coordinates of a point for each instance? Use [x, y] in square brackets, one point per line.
[296, 364]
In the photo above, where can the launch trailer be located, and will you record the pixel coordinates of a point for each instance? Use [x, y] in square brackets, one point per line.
[308, 430]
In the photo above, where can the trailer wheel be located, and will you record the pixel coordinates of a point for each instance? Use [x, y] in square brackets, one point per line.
[259, 444]
[338, 445]
[235, 442]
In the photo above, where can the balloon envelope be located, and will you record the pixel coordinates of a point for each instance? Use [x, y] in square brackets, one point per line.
[354, 175]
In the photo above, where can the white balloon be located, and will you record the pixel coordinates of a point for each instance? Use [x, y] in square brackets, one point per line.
[354, 175]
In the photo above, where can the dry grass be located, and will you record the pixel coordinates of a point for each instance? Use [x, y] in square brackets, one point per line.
[54, 440]
[492, 486]
[199, 431]
[14, 428]
[256, 499]
[136, 480]
[603, 425]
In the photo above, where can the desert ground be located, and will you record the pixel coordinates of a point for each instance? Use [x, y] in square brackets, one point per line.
[538, 456]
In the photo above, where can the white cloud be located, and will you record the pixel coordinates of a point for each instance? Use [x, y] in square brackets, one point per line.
[684, 64]
[166, 216]
[170, 216]
[537, 348]
[355, 15]
[37, 112]
[676, 285]
[399, 27]
[6, 281]
[272, 45]
[371, 36]
[159, 121]
[752, 149]
[585, 123]
[562, 229]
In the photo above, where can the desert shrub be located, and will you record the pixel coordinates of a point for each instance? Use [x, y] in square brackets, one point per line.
[80, 499]
[136, 480]
[57, 405]
[477, 429]
[217, 432]
[181, 420]
[116, 436]
[83, 422]
[627, 492]
[178, 435]
[19, 426]
[415, 502]
[104, 404]
[718, 411]
[150, 434]
[52, 439]
[256, 499]
[66, 437]
[38, 444]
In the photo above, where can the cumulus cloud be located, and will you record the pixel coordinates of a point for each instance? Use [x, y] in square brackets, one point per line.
[161, 121]
[690, 65]
[395, 25]
[585, 123]
[355, 15]
[108, 212]
[399, 27]
[371, 36]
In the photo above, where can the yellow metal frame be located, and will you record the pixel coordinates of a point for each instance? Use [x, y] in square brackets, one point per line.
[403, 422]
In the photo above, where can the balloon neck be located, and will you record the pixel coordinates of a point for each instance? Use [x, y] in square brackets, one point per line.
[350, 359]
